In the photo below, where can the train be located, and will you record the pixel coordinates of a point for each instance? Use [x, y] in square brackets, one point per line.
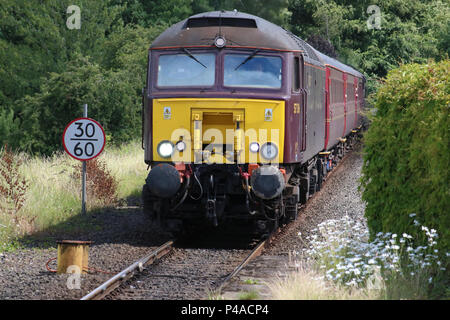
[242, 121]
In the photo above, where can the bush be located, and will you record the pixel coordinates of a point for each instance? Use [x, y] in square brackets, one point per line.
[101, 185]
[406, 155]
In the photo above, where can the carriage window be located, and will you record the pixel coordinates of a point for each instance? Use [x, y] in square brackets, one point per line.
[186, 70]
[252, 71]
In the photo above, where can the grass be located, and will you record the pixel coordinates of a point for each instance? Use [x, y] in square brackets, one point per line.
[54, 195]
[305, 284]
[249, 295]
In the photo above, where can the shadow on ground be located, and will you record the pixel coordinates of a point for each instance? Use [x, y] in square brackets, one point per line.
[127, 224]
[123, 224]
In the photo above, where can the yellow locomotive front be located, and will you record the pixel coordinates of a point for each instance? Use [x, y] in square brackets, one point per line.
[217, 130]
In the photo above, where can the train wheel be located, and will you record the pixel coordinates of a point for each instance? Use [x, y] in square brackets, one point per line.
[291, 211]
[304, 188]
[319, 174]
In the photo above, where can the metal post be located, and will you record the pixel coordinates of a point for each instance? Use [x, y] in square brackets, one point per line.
[83, 180]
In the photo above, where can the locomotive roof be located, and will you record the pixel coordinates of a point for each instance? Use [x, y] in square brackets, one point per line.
[240, 30]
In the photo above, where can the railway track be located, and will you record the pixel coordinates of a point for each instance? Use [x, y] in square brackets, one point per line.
[113, 283]
[107, 289]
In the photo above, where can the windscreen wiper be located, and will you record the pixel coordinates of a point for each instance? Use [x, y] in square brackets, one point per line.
[247, 59]
[190, 55]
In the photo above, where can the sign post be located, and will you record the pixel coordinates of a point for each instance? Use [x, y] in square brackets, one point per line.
[84, 139]
[83, 179]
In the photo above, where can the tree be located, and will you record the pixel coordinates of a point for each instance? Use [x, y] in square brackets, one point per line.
[410, 31]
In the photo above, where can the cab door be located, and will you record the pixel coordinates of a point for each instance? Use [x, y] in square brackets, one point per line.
[296, 141]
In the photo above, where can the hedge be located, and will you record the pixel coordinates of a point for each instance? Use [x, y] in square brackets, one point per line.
[406, 154]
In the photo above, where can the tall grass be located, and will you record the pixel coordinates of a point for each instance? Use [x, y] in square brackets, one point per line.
[305, 284]
[54, 194]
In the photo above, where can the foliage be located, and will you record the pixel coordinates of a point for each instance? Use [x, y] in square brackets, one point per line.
[107, 72]
[406, 159]
[49, 71]
[409, 31]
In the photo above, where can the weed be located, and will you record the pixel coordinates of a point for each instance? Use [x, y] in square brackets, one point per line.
[100, 184]
[13, 189]
[251, 281]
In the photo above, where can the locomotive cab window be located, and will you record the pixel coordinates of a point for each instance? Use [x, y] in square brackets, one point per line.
[186, 70]
[252, 71]
[296, 82]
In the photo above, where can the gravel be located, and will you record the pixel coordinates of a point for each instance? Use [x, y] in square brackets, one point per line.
[122, 236]
[338, 197]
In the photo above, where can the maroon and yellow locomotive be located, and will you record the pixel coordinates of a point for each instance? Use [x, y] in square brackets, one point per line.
[242, 120]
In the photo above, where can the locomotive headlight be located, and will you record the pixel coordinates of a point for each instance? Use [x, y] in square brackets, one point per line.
[220, 42]
[269, 151]
[254, 147]
[181, 146]
[165, 149]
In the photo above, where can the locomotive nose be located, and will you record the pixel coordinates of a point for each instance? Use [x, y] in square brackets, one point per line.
[163, 180]
[267, 182]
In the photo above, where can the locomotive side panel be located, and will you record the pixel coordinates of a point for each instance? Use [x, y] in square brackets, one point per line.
[315, 110]
[294, 137]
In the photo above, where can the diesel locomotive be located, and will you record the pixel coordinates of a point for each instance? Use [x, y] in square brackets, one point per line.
[242, 121]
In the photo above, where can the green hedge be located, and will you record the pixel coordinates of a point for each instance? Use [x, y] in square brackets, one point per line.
[406, 155]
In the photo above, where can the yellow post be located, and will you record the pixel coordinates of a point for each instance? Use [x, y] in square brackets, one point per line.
[73, 253]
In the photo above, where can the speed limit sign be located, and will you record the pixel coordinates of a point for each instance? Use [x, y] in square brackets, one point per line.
[84, 139]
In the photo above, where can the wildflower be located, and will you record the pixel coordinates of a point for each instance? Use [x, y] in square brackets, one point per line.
[412, 215]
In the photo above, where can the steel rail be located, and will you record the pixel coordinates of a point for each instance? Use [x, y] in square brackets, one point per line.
[110, 285]
[255, 253]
